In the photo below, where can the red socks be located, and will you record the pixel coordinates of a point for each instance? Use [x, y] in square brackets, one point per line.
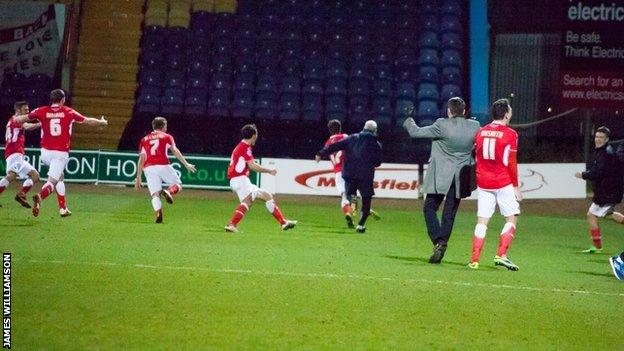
[509, 230]
[239, 213]
[47, 189]
[477, 245]
[596, 237]
[275, 211]
[61, 201]
[346, 209]
[174, 189]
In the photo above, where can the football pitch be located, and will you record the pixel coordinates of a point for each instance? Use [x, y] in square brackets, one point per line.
[108, 278]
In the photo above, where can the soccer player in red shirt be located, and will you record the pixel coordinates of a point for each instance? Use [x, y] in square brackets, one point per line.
[337, 160]
[17, 166]
[238, 173]
[56, 129]
[497, 182]
[154, 162]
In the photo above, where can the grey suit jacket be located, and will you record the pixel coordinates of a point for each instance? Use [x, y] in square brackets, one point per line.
[451, 149]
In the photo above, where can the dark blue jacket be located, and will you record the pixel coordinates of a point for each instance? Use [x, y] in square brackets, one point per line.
[605, 174]
[362, 155]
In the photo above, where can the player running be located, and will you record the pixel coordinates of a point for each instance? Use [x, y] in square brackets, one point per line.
[349, 206]
[17, 166]
[238, 173]
[56, 129]
[497, 183]
[153, 161]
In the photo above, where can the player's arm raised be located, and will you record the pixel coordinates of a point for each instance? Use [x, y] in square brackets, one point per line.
[257, 168]
[432, 131]
[330, 149]
[23, 118]
[31, 126]
[176, 152]
[95, 121]
[139, 170]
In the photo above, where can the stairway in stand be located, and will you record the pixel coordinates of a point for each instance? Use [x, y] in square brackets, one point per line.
[106, 69]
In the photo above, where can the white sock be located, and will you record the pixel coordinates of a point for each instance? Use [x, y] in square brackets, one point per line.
[480, 230]
[4, 182]
[60, 188]
[156, 204]
[270, 205]
[28, 182]
[344, 201]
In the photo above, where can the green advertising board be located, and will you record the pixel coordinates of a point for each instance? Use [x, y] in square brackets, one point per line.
[111, 167]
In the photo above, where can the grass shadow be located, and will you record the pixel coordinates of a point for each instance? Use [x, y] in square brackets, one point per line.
[424, 260]
[596, 274]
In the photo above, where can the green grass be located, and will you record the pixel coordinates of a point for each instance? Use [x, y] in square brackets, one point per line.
[107, 278]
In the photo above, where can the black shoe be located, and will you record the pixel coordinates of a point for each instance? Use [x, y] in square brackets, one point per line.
[360, 229]
[349, 219]
[438, 253]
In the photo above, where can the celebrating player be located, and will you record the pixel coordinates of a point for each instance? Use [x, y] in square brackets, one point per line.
[56, 128]
[337, 160]
[497, 183]
[238, 173]
[17, 166]
[605, 175]
[154, 162]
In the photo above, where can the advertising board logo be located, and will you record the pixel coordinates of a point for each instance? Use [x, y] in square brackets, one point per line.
[532, 181]
[399, 179]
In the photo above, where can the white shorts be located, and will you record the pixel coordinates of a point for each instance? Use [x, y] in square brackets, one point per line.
[504, 197]
[600, 211]
[156, 175]
[56, 161]
[340, 183]
[17, 164]
[242, 186]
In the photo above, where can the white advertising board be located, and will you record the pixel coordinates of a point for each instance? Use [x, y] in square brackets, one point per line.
[306, 177]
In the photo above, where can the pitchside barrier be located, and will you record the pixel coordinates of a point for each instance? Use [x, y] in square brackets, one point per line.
[304, 177]
[111, 167]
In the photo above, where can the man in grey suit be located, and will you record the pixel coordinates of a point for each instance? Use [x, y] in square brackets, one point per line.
[451, 149]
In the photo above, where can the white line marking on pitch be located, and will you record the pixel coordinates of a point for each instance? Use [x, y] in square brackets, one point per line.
[333, 276]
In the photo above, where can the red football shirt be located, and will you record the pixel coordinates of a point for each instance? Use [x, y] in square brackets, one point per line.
[155, 147]
[56, 125]
[496, 149]
[14, 138]
[337, 158]
[238, 163]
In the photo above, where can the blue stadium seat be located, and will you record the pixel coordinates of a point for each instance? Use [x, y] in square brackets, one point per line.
[39, 81]
[242, 106]
[312, 107]
[174, 79]
[148, 104]
[312, 87]
[197, 83]
[198, 67]
[382, 111]
[289, 107]
[428, 91]
[451, 75]
[150, 78]
[291, 85]
[430, 23]
[382, 87]
[152, 60]
[359, 87]
[176, 62]
[406, 91]
[358, 108]
[449, 91]
[265, 108]
[336, 88]
[428, 57]
[195, 105]
[172, 102]
[450, 24]
[451, 7]
[429, 7]
[335, 107]
[451, 58]
[427, 110]
[219, 103]
[429, 40]
[244, 82]
[428, 74]
[451, 41]
[382, 72]
[220, 81]
[266, 83]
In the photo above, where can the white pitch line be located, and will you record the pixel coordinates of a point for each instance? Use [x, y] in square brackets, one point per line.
[333, 276]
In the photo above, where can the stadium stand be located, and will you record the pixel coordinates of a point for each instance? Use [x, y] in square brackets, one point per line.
[296, 64]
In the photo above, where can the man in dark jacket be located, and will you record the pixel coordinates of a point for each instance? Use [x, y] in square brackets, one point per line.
[606, 176]
[617, 262]
[362, 156]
